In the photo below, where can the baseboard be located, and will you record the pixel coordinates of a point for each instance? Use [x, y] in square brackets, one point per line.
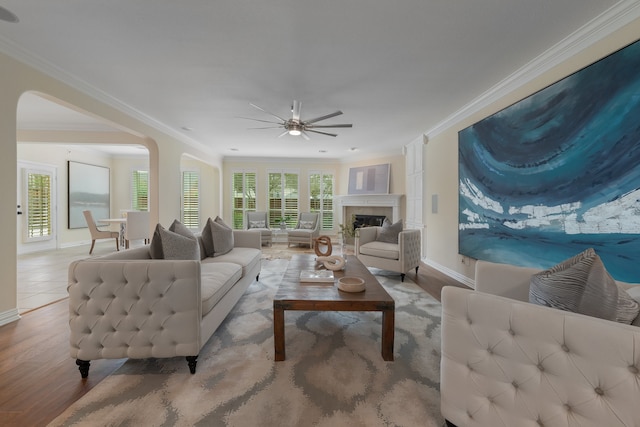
[9, 316]
[451, 273]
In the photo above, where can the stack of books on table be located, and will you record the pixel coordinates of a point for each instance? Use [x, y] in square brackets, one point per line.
[316, 276]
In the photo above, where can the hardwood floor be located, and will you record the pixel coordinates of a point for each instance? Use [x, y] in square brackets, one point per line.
[38, 379]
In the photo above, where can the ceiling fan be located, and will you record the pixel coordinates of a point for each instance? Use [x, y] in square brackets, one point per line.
[296, 126]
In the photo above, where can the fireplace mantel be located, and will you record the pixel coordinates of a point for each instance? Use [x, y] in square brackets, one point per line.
[393, 201]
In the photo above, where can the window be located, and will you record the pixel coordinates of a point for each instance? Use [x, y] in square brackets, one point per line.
[140, 190]
[321, 197]
[283, 198]
[191, 199]
[38, 206]
[244, 197]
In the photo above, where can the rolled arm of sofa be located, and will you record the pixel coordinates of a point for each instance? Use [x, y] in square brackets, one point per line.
[134, 309]
[505, 280]
[247, 239]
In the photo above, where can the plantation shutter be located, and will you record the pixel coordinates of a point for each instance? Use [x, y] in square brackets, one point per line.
[244, 197]
[275, 198]
[327, 202]
[140, 190]
[283, 198]
[291, 198]
[38, 206]
[321, 197]
[191, 199]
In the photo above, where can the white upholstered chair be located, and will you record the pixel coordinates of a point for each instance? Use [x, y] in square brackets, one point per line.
[306, 231]
[137, 227]
[258, 221]
[96, 233]
[399, 257]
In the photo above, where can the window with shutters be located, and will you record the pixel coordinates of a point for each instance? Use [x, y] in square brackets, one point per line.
[140, 190]
[191, 199]
[321, 197]
[283, 198]
[38, 209]
[244, 197]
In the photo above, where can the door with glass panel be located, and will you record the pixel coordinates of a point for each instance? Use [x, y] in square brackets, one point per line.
[36, 213]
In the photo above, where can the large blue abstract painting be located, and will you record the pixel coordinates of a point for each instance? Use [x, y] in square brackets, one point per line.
[558, 172]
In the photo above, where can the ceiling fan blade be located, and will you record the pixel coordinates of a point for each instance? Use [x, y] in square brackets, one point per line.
[268, 127]
[265, 111]
[344, 125]
[324, 133]
[259, 120]
[305, 135]
[297, 106]
[286, 132]
[328, 116]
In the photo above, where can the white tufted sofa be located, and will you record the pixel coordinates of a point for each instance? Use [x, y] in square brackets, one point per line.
[126, 304]
[511, 363]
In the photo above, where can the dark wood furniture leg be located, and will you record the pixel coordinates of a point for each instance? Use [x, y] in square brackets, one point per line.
[278, 332]
[83, 366]
[388, 328]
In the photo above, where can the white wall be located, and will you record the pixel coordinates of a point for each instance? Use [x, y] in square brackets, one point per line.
[165, 152]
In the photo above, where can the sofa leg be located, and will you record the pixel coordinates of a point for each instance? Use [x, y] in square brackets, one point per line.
[417, 270]
[450, 424]
[192, 360]
[83, 366]
[402, 277]
[258, 277]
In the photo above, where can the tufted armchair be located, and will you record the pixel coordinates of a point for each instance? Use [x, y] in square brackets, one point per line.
[400, 257]
[258, 221]
[306, 231]
[506, 362]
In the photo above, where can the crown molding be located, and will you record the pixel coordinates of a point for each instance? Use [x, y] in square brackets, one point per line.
[603, 25]
[20, 54]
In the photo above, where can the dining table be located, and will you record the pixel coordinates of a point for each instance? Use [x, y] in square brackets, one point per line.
[122, 221]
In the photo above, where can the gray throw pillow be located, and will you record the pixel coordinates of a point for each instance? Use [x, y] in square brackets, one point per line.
[221, 237]
[306, 225]
[580, 284]
[628, 307]
[176, 243]
[389, 232]
[179, 246]
[155, 248]
[207, 238]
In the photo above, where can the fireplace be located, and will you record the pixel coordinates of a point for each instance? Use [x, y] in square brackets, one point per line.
[381, 205]
[368, 220]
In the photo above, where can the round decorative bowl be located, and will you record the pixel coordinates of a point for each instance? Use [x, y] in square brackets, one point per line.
[351, 284]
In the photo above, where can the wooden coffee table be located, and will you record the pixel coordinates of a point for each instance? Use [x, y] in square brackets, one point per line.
[292, 295]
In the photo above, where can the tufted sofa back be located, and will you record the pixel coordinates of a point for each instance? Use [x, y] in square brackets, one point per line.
[511, 363]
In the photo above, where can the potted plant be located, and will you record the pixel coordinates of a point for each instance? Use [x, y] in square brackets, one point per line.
[282, 221]
[348, 231]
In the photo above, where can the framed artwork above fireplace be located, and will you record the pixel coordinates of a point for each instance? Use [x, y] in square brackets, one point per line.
[369, 179]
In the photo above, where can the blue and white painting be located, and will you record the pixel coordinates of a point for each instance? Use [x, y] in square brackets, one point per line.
[558, 172]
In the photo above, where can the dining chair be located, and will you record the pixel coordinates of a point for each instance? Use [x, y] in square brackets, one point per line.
[96, 233]
[137, 227]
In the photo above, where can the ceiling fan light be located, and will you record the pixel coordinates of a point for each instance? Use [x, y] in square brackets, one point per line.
[295, 132]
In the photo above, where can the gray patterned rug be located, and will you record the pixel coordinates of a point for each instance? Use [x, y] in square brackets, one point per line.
[334, 374]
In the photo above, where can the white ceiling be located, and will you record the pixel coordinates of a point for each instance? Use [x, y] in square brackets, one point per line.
[395, 68]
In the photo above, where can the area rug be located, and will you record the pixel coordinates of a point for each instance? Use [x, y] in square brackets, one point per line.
[334, 374]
